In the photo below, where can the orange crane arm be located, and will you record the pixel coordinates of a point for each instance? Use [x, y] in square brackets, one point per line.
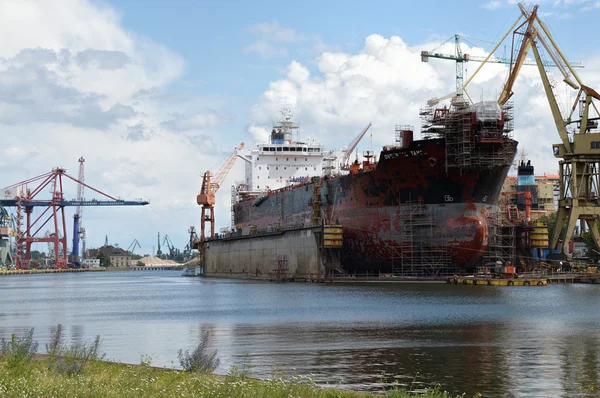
[523, 50]
[224, 170]
[210, 186]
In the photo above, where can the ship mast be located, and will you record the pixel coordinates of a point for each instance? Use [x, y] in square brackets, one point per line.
[284, 129]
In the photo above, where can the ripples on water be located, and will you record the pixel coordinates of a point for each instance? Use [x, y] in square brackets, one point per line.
[501, 342]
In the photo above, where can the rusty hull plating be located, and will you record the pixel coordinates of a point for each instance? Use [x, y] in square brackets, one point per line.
[455, 175]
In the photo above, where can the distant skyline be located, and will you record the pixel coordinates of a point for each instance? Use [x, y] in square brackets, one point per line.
[154, 93]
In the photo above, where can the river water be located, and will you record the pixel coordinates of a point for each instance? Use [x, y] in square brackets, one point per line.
[499, 341]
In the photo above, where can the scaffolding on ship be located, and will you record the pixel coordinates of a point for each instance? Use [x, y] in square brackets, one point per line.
[471, 142]
[501, 241]
[419, 252]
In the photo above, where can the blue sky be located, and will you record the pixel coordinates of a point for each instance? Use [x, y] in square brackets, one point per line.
[154, 93]
[213, 36]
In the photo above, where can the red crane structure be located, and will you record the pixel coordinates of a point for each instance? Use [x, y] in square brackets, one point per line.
[24, 198]
[210, 186]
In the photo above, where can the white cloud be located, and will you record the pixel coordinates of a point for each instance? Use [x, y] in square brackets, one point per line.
[272, 31]
[493, 5]
[386, 83]
[182, 122]
[74, 83]
[268, 33]
[265, 49]
[320, 47]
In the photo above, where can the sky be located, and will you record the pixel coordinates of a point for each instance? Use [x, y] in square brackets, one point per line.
[154, 93]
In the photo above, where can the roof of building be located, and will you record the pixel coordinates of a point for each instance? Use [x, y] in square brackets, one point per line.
[109, 251]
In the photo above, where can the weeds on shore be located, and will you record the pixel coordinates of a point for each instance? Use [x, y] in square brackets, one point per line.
[77, 370]
[71, 359]
[18, 350]
[200, 360]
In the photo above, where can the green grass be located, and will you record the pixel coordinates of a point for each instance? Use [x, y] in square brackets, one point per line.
[34, 378]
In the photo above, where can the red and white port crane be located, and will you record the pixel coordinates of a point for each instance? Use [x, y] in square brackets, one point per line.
[210, 186]
[24, 198]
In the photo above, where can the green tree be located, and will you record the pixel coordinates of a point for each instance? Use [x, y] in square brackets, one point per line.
[104, 259]
[550, 221]
[36, 255]
[593, 252]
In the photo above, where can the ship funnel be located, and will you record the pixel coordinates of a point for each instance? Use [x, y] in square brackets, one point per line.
[404, 135]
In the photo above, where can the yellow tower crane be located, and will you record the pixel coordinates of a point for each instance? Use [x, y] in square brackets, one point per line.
[210, 186]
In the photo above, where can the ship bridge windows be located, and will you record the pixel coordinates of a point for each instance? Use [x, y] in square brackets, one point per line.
[265, 149]
[286, 149]
[292, 149]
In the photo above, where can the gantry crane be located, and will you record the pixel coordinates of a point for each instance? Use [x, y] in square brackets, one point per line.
[579, 155]
[210, 186]
[24, 198]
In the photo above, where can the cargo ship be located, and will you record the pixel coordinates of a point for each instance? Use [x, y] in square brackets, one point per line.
[440, 188]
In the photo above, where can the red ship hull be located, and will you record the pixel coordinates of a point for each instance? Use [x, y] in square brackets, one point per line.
[372, 206]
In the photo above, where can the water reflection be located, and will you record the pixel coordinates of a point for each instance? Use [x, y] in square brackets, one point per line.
[497, 341]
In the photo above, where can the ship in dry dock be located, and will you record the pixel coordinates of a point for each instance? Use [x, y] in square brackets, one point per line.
[416, 199]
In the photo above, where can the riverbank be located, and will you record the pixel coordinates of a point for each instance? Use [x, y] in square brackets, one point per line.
[108, 379]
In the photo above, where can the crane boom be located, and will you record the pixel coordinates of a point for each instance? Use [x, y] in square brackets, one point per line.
[206, 197]
[224, 170]
[353, 144]
[523, 50]
[556, 115]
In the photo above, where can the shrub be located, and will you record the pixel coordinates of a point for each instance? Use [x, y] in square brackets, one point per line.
[71, 359]
[18, 350]
[200, 360]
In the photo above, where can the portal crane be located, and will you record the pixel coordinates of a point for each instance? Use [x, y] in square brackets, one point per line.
[353, 145]
[133, 245]
[580, 155]
[210, 186]
[172, 251]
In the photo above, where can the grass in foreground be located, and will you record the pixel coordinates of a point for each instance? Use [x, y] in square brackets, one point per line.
[106, 379]
[77, 370]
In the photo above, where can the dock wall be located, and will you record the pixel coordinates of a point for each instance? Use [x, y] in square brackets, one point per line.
[291, 254]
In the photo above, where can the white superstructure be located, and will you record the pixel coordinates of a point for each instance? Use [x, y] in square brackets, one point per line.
[283, 161]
